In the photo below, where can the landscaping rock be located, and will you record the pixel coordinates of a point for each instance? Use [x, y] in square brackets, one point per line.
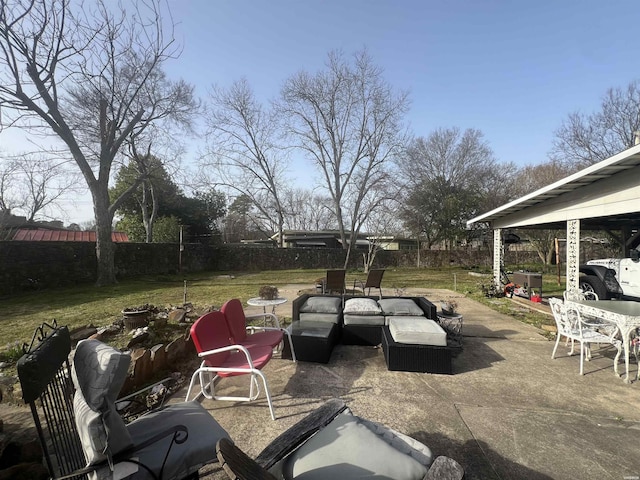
[10, 391]
[177, 316]
[138, 339]
[82, 333]
[158, 357]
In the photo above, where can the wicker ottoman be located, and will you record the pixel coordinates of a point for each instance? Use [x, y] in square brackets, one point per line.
[313, 341]
[409, 357]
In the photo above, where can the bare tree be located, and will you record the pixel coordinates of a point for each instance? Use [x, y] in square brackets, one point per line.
[347, 120]
[529, 179]
[91, 75]
[583, 140]
[42, 181]
[380, 228]
[8, 195]
[305, 210]
[448, 177]
[462, 158]
[243, 151]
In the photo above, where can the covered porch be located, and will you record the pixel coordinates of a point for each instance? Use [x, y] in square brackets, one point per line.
[602, 197]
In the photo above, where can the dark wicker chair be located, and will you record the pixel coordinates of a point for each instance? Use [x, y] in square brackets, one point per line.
[374, 280]
[335, 282]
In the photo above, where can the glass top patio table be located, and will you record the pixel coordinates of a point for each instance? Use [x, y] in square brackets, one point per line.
[264, 303]
[625, 314]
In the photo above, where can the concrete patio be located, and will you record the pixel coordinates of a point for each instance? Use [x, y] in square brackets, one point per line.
[508, 412]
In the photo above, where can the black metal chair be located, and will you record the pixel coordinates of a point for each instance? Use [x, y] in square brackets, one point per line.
[374, 280]
[80, 431]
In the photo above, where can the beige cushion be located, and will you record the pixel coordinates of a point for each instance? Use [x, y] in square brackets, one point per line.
[417, 330]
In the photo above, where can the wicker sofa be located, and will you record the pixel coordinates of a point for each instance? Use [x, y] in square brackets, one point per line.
[319, 322]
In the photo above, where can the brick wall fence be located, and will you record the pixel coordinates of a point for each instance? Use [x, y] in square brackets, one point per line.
[36, 265]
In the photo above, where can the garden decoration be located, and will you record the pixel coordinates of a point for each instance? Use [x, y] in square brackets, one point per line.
[448, 307]
[268, 292]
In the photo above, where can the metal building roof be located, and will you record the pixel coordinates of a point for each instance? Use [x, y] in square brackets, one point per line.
[49, 235]
[601, 196]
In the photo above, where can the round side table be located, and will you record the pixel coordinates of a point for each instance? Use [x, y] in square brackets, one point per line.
[264, 303]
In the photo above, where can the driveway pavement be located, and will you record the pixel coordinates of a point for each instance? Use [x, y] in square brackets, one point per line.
[508, 412]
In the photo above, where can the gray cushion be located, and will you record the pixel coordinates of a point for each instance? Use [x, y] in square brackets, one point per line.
[184, 459]
[399, 306]
[352, 448]
[362, 306]
[417, 330]
[387, 320]
[322, 304]
[352, 319]
[320, 317]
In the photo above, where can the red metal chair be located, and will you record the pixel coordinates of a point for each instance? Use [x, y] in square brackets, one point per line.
[266, 336]
[221, 358]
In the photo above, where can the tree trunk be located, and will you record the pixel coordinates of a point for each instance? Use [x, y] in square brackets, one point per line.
[346, 258]
[105, 249]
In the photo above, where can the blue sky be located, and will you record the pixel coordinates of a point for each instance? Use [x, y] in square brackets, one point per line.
[512, 69]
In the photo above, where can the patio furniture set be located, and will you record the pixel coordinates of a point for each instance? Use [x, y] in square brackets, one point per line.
[408, 329]
[73, 399]
[581, 317]
[82, 427]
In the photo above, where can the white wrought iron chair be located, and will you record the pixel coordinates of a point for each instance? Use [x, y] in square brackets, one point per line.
[565, 328]
[576, 295]
[579, 294]
[573, 326]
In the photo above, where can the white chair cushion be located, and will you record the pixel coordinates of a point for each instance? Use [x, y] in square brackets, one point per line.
[417, 330]
[98, 373]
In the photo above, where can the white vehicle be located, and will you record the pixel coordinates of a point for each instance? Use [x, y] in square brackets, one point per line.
[612, 277]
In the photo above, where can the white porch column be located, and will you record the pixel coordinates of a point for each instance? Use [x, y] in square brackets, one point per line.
[573, 254]
[498, 256]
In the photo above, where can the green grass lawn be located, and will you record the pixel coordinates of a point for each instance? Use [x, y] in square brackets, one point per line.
[86, 304]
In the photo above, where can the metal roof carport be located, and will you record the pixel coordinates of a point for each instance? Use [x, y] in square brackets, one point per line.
[604, 196]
